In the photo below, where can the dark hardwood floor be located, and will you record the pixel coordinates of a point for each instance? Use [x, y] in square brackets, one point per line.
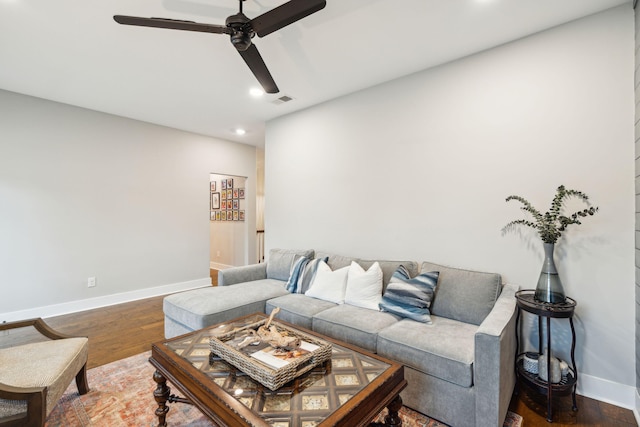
[128, 329]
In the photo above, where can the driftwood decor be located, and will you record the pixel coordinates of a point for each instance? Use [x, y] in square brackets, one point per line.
[270, 352]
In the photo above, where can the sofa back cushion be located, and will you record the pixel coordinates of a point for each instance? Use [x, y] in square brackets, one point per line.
[336, 261]
[281, 260]
[464, 295]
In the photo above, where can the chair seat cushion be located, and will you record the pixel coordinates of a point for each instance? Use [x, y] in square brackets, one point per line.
[443, 349]
[52, 364]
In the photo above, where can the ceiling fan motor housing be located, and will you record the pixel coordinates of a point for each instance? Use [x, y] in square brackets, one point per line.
[241, 31]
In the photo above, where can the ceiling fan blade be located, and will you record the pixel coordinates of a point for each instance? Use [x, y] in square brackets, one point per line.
[172, 24]
[253, 59]
[284, 15]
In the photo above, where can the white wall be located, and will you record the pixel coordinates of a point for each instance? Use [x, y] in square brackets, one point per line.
[89, 194]
[419, 168]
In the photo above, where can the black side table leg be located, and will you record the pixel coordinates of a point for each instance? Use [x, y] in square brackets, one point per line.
[549, 387]
[573, 362]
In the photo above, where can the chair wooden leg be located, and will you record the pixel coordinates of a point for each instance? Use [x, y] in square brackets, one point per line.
[81, 380]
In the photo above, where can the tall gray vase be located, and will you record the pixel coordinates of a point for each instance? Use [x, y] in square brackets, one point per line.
[549, 287]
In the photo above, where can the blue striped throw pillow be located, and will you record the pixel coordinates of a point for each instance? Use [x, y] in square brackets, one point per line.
[410, 297]
[296, 269]
[308, 273]
[302, 273]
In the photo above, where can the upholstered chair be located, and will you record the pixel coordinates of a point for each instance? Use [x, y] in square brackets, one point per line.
[33, 376]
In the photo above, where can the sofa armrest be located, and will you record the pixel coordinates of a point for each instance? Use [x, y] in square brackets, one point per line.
[494, 363]
[247, 273]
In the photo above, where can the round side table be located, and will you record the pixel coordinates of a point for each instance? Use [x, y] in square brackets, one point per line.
[525, 301]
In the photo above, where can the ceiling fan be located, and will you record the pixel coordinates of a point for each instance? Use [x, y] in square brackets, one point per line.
[241, 29]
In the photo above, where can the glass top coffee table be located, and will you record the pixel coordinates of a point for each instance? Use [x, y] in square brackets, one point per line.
[349, 390]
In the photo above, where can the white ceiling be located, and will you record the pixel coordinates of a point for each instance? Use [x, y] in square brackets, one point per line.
[72, 51]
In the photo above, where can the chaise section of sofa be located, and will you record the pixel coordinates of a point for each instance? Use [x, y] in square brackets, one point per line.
[253, 286]
[459, 368]
[192, 310]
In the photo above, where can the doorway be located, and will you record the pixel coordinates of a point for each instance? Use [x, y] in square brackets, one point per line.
[227, 221]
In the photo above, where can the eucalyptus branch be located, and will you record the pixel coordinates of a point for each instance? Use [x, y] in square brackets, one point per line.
[552, 223]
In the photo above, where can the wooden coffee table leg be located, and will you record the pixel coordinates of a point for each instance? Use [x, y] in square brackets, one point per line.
[392, 418]
[161, 395]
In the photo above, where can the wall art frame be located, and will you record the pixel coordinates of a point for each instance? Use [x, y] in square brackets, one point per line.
[215, 201]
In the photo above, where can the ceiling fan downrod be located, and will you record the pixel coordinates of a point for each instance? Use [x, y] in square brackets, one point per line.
[241, 33]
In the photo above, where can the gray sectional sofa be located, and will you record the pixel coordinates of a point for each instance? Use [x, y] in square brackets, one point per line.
[459, 368]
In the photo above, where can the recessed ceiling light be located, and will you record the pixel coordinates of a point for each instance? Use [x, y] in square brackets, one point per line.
[256, 92]
[240, 131]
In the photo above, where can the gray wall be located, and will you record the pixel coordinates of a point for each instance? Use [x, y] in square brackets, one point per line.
[89, 194]
[419, 169]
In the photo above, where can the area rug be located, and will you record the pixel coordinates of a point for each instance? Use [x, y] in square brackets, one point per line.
[122, 396]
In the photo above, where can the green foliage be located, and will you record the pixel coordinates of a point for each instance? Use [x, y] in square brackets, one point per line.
[552, 223]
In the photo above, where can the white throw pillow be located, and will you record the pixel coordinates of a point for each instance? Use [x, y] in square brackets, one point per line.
[329, 285]
[364, 288]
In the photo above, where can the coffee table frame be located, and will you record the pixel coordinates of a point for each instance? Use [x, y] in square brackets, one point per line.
[225, 410]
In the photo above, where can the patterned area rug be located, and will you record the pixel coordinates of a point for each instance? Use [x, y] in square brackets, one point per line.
[122, 396]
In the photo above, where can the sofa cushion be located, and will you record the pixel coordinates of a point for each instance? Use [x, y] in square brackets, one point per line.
[336, 261]
[464, 295]
[298, 309]
[410, 297]
[364, 288]
[329, 285]
[204, 307]
[355, 325]
[443, 349]
[281, 260]
[389, 267]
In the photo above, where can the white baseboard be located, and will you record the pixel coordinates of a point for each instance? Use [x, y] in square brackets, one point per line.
[103, 301]
[218, 266]
[607, 391]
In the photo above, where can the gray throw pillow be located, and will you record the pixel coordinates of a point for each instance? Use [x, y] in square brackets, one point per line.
[281, 260]
[464, 295]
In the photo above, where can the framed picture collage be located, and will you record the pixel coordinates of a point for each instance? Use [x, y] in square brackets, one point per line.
[226, 201]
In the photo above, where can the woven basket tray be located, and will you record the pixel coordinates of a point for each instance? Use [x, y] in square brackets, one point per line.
[271, 377]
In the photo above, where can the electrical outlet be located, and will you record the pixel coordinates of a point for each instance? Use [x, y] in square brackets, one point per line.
[218, 253]
[91, 282]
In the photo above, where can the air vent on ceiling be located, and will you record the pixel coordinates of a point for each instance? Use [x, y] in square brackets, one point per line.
[282, 100]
